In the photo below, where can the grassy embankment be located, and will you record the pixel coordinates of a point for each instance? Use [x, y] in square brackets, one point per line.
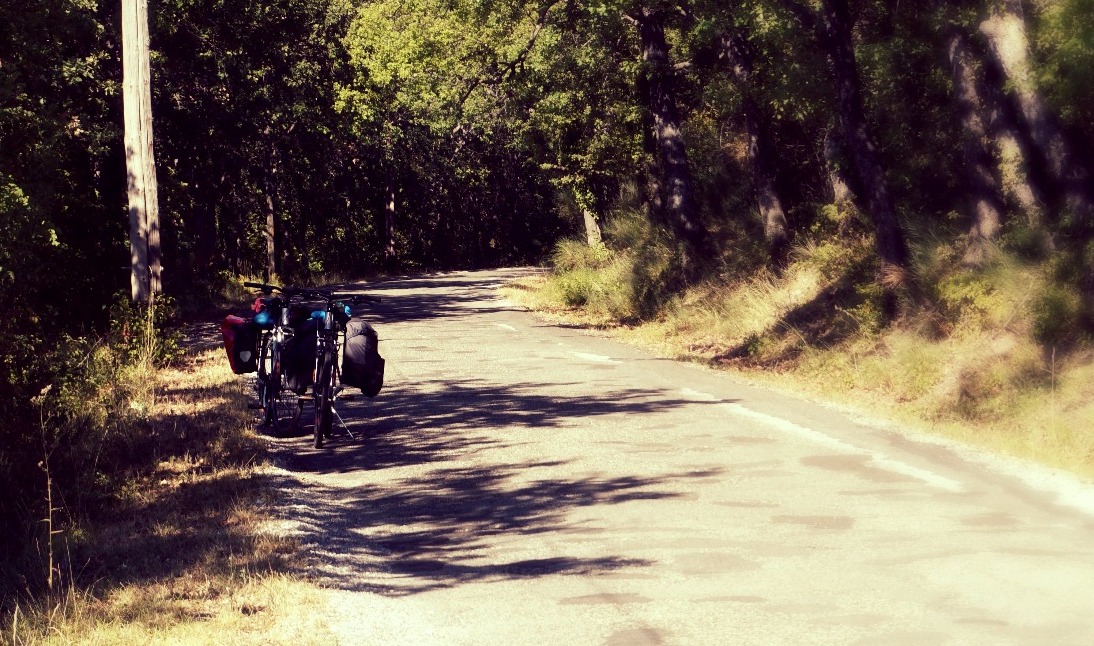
[177, 547]
[993, 356]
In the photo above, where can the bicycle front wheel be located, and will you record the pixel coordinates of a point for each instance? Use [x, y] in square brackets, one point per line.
[324, 395]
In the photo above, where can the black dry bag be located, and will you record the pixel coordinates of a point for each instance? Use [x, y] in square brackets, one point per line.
[362, 365]
[298, 357]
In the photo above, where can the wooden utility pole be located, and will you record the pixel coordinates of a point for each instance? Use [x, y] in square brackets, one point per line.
[144, 218]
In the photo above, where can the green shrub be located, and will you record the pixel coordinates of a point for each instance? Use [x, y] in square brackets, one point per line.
[577, 286]
[75, 410]
[1057, 315]
[834, 259]
[145, 333]
[633, 276]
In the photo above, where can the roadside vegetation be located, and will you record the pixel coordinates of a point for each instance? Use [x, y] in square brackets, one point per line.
[995, 355]
[150, 501]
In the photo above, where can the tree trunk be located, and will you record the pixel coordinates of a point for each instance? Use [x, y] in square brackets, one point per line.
[144, 226]
[680, 207]
[839, 179]
[271, 231]
[736, 53]
[890, 242]
[274, 234]
[1011, 156]
[389, 225]
[592, 228]
[984, 196]
[1005, 31]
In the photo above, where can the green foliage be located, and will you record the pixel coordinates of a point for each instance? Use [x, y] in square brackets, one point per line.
[605, 292]
[78, 407]
[833, 258]
[1057, 315]
[1065, 40]
[630, 278]
[145, 334]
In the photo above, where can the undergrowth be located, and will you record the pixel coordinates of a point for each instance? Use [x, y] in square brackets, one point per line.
[140, 498]
[998, 354]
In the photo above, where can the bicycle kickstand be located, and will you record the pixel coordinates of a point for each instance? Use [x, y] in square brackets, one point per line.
[342, 423]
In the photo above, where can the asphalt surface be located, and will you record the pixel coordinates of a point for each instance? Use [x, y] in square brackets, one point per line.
[517, 482]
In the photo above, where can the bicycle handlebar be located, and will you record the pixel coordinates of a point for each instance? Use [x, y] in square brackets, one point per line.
[323, 294]
[267, 289]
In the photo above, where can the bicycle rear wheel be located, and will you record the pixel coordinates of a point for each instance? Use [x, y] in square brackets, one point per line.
[264, 382]
[324, 394]
[281, 407]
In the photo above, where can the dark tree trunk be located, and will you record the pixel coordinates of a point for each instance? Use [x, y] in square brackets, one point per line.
[840, 180]
[985, 203]
[1005, 31]
[739, 58]
[891, 246]
[680, 207]
[271, 232]
[390, 257]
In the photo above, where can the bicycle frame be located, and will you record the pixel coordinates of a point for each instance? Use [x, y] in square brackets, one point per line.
[330, 337]
[325, 388]
[330, 334]
[270, 376]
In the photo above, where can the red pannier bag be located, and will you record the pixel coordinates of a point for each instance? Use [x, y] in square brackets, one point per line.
[241, 343]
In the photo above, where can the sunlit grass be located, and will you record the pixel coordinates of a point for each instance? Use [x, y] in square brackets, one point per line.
[977, 357]
[267, 609]
[184, 553]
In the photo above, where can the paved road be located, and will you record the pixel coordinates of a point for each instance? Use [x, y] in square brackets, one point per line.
[521, 483]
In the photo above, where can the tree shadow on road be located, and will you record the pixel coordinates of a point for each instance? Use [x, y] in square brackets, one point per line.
[434, 296]
[441, 420]
[416, 502]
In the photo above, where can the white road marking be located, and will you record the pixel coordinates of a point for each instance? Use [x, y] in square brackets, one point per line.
[879, 459]
[506, 327]
[599, 358]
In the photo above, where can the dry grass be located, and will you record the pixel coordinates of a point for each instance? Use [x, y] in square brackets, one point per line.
[967, 364]
[181, 555]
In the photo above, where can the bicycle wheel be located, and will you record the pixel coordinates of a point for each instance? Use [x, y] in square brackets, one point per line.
[282, 409]
[324, 394]
[266, 389]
